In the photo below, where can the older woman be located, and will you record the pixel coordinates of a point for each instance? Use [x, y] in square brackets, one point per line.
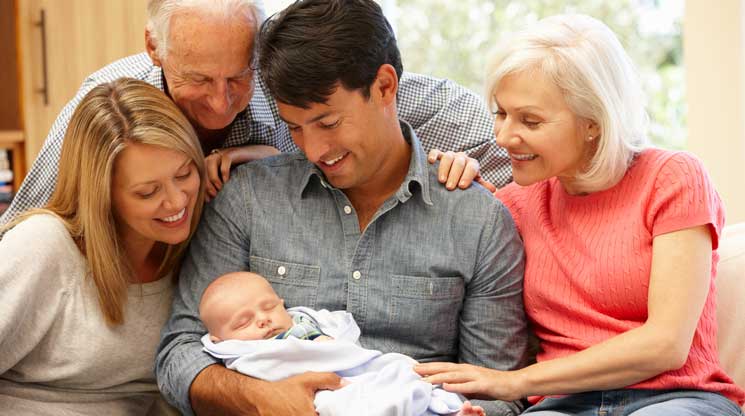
[620, 239]
[87, 280]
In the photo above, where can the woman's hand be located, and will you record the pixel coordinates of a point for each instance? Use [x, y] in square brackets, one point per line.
[218, 164]
[456, 168]
[472, 381]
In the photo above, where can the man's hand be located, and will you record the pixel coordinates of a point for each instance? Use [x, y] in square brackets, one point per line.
[218, 163]
[219, 391]
[458, 169]
[294, 395]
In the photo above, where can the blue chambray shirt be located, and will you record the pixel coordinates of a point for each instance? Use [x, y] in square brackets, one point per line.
[436, 275]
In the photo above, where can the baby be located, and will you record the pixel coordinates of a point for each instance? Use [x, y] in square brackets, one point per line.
[242, 306]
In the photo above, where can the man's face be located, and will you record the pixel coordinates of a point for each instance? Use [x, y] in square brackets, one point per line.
[344, 137]
[207, 67]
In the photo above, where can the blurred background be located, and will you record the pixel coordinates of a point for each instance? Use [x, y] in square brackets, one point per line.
[454, 39]
[689, 54]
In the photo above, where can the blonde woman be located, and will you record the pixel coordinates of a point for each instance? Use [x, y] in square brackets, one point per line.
[620, 239]
[86, 281]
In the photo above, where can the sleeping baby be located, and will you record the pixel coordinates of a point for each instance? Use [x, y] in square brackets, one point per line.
[250, 330]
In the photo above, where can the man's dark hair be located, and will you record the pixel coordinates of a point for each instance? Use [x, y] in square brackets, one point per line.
[311, 47]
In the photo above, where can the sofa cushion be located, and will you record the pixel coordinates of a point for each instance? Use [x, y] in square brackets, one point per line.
[730, 284]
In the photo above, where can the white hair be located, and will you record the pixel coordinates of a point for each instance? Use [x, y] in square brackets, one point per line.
[598, 81]
[159, 13]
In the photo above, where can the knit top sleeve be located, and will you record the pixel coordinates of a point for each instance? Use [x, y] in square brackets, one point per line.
[684, 197]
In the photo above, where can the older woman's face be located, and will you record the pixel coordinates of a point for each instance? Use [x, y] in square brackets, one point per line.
[154, 192]
[543, 137]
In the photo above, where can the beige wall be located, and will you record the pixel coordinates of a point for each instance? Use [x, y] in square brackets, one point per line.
[714, 51]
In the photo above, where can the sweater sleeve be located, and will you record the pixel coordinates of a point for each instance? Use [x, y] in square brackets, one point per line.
[511, 196]
[34, 256]
[684, 197]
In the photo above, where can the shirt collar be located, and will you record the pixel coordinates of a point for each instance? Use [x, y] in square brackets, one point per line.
[418, 168]
[418, 171]
[262, 108]
[157, 79]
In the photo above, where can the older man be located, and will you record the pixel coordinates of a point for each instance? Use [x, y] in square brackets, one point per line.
[355, 222]
[200, 53]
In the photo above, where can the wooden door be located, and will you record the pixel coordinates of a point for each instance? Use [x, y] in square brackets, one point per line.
[61, 43]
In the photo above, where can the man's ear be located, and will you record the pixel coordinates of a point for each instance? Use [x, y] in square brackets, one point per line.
[385, 85]
[150, 48]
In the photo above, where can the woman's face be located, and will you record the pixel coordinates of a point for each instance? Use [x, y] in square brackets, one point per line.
[154, 191]
[543, 137]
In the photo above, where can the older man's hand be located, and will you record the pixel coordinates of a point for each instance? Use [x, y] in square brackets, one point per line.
[218, 163]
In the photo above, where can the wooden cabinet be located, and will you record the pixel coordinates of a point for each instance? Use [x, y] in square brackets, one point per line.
[11, 133]
[60, 43]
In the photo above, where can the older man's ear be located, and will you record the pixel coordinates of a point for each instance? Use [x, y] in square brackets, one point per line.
[150, 48]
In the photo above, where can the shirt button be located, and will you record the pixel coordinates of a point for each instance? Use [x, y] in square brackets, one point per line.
[281, 270]
[347, 209]
[356, 275]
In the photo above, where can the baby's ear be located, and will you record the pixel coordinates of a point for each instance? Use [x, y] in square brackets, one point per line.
[214, 339]
[282, 301]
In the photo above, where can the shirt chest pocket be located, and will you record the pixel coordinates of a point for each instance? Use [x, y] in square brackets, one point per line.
[296, 283]
[424, 312]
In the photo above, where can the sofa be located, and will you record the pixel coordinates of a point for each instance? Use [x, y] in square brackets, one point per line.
[730, 308]
[731, 302]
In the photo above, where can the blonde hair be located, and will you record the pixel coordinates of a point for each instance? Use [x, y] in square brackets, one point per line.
[585, 60]
[159, 13]
[108, 119]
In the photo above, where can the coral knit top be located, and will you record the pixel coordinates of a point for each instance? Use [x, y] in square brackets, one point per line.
[588, 260]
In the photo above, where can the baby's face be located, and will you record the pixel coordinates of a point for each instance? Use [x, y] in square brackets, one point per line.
[251, 314]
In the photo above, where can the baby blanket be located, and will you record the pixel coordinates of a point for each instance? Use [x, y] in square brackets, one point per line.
[379, 384]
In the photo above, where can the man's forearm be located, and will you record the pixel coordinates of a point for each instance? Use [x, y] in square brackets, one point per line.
[219, 391]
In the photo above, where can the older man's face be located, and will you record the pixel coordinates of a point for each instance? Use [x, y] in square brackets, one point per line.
[207, 67]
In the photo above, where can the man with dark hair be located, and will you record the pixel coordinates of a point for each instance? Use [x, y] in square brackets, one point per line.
[356, 222]
[304, 56]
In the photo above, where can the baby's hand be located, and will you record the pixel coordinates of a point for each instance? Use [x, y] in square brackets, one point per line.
[323, 338]
[470, 410]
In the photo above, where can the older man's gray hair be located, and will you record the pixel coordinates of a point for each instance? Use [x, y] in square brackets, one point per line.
[159, 13]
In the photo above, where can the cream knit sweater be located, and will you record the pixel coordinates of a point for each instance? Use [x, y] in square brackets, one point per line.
[57, 354]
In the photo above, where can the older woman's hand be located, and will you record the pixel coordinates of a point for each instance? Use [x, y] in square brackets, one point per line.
[472, 381]
[458, 169]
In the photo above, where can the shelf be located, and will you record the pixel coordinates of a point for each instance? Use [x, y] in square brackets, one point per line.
[13, 140]
[11, 137]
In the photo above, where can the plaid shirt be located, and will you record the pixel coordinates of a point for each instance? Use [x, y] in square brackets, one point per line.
[304, 327]
[443, 114]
